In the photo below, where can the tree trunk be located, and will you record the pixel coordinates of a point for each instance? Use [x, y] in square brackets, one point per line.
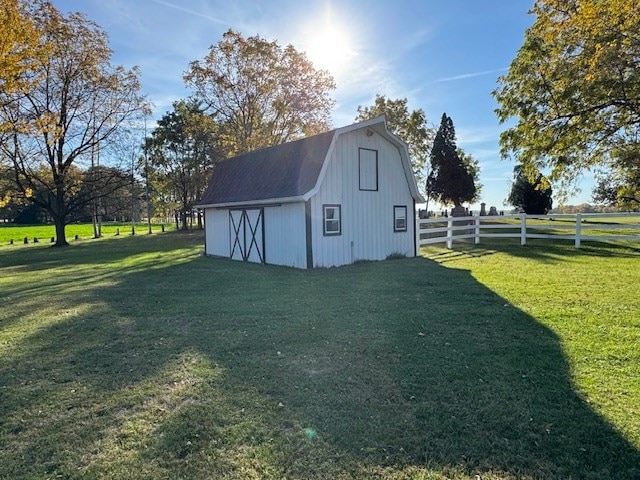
[183, 219]
[61, 239]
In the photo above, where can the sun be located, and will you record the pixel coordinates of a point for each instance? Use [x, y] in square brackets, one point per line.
[330, 49]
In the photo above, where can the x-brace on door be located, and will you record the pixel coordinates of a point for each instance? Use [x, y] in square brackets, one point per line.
[246, 234]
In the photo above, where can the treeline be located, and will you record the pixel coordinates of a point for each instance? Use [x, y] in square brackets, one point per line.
[72, 146]
[589, 208]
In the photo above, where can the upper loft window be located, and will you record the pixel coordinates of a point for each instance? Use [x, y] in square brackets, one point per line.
[368, 165]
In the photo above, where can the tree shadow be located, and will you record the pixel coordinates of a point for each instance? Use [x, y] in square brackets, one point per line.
[217, 366]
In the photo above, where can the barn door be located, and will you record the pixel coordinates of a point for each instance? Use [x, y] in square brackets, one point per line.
[246, 234]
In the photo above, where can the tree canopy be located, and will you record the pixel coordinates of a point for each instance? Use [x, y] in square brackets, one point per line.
[574, 87]
[409, 126]
[532, 196]
[76, 102]
[260, 93]
[182, 152]
[20, 44]
[450, 181]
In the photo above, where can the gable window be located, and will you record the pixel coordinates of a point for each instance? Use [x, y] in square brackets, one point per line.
[399, 218]
[368, 165]
[331, 220]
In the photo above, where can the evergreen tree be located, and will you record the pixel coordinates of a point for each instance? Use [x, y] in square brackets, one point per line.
[450, 180]
[532, 194]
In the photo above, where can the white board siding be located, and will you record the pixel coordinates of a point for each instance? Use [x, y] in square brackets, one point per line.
[367, 216]
[285, 235]
[217, 232]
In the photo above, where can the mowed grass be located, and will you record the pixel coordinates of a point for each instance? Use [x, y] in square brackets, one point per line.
[44, 233]
[137, 357]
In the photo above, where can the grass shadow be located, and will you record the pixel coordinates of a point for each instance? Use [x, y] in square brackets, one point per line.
[545, 251]
[212, 368]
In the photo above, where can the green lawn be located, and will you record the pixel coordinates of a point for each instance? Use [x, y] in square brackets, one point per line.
[137, 357]
[84, 231]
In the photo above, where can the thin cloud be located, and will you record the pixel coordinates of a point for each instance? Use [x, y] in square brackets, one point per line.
[464, 76]
[190, 12]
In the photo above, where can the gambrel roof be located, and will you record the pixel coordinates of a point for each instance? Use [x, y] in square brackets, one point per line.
[288, 172]
[283, 171]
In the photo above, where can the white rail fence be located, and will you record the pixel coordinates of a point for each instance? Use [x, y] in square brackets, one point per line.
[578, 228]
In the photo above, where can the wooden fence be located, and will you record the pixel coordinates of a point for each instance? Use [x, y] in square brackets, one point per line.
[578, 228]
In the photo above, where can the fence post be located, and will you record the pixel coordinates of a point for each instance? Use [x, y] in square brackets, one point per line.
[477, 230]
[578, 229]
[523, 229]
[417, 236]
[449, 233]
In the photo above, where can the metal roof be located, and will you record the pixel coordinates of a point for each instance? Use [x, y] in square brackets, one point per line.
[288, 172]
[282, 171]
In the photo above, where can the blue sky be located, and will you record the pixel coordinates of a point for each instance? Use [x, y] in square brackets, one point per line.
[442, 55]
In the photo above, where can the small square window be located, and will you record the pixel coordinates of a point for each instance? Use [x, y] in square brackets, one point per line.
[331, 219]
[400, 218]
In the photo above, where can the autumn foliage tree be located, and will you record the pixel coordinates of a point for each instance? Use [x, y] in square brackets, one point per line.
[76, 100]
[574, 88]
[21, 48]
[259, 93]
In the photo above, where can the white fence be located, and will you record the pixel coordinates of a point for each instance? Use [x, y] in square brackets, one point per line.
[579, 228]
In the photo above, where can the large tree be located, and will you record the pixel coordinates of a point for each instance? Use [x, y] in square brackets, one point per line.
[76, 102]
[410, 126]
[20, 44]
[182, 152]
[451, 180]
[574, 87]
[532, 196]
[260, 93]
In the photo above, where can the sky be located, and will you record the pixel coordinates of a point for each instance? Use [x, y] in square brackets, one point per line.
[441, 55]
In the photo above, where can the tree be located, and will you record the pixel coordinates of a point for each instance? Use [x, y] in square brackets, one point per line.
[409, 126]
[472, 166]
[450, 180]
[530, 193]
[20, 45]
[574, 87]
[182, 152]
[77, 101]
[114, 203]
[620, 184]
[260, 93]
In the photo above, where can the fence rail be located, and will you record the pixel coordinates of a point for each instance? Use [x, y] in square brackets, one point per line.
[578, 228]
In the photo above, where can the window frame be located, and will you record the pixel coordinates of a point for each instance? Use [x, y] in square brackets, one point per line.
[360, 169]
[338, 208]
[396, 217]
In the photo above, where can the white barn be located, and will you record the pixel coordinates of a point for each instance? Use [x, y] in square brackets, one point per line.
[327, 200]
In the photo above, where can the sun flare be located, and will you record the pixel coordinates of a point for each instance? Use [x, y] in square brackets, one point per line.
[330, 50]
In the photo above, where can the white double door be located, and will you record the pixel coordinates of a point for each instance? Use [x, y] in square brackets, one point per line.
[246, 234]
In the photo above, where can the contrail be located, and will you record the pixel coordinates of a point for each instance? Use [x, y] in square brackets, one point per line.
[191, 12]
[468, 75]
